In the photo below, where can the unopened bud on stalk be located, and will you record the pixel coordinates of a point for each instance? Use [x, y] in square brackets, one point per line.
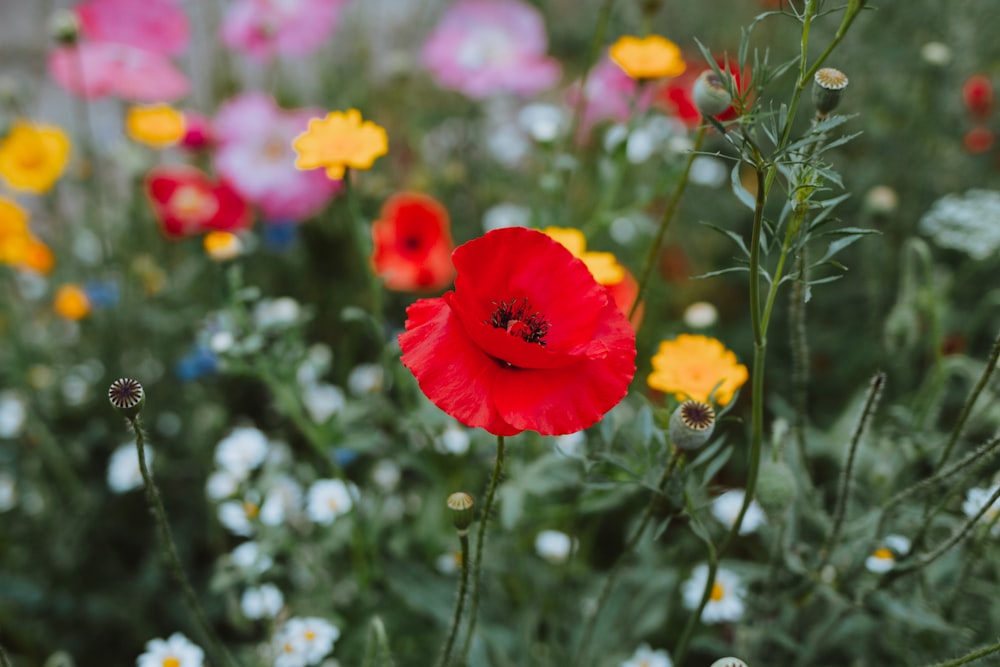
[828, 88]
[710, 94]
[692, 425]
[126, 396]
[460, 505]
[775, 487]
[64, 26]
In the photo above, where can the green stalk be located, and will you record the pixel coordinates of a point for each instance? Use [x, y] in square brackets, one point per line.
[991, 365]
[456, 620]
[970, 657]
[480, 539]
[169, 548]
[360, 235]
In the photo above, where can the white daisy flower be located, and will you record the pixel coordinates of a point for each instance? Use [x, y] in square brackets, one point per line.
[976, 499]
[328, 499]
[645, 656]
[12, 414]
[123, 468]
[221, 484]
[239, 515]
[278, 313]
[454, 440]
[726, 508]
[386, 475]
[308, 639]
[249, 558]
[323, 400]
[701, 315]
[884, 558]
[449, 562]
[283, 499]
[175, 651]
[242, 451]
[553, 545]
[264, 601]
[726, 601]
[366, 379]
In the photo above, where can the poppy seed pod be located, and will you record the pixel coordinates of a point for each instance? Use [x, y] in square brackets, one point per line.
[127, 396]
[460, 505]
[775, 487]
[729, 662]
[828, 88]
[64, 26]
[710, 94]
[691, 425]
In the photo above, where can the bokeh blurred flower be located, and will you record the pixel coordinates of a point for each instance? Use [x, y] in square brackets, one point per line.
[528, 340]
[153, 25]
[222, 246]
[264, 601]
[977, 96]
[13, 412]
[250, 558]
[611, 94]
[18, 247]
[976, 498]
[304, 641]
[700, 315]
[453, 440]
[412, 244]
[197, 363]
[242, 451]
[650, 57]
[340, 141]
[328, 499]
[366, 379]
[692, 366]
[322, 400]
[254, 155]
[33, 156]
[71, 302]
[8, 492]
[645, 656]
[449, 563]
[239, 516]
[884, 558]
[482, 48]
[123, 468]
[185, 202]
[175, 651]
[979, 139]
[726, 508]
[505, 214]
[156, 125]
[221, 484]
[725, 603]
[263, 29]
[99, 69]
[553, 545]
[965, 222]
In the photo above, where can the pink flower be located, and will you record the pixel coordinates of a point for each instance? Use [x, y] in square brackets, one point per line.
[487, 47]
[263, 29]
[99, 69]
[151, 25]
[254, 155]
[608, 94]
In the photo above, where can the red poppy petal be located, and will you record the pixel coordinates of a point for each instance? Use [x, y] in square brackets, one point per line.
[233, 212]
[520, 263]
[566, 400]
[455, 374]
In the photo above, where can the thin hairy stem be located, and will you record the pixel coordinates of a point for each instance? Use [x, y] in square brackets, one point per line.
[713, 567]
[480, 539]
[991, 365]
[456, 620]
[800, 351]
[970, 657]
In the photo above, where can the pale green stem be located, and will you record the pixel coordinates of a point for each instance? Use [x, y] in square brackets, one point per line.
[991, 365]
[713, 567]
[480, 539]
[361, 235]
[800, 352]
[170, 552]
[456, 620]
[970, 657]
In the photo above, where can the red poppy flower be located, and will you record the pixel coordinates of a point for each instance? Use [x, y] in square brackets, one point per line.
[977, 95]
[978, 140]
[412, 244]
[185, 202]
[527, 340]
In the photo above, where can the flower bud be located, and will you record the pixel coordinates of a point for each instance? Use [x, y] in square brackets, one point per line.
[692, 425]
[775, 487]
[828, 87]
[710, 94]
[460, 505]
[64, 27]
[126, 396]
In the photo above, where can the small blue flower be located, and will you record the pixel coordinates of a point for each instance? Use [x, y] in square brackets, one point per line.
[280, 235]
[102, 293]
[344, 456]
[199, 362]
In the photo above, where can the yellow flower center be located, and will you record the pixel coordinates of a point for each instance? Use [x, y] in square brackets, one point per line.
[717, 592]
[171, 661]
[883, 554]
[310, 635]
[251, 509]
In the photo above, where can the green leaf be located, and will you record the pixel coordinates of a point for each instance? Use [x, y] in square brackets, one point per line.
[741, 192]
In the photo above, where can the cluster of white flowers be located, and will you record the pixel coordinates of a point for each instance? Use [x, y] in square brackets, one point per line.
[726, 508]
[176, 651]
[725, 603]
[653, 136]
[965, 222]
[264, 601]
[123, 468]
[303, 641]
[329, 499]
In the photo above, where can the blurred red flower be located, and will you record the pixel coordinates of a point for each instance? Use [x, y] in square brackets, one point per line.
[677, 98]
[412, 244]
[528, 340]
[186, 202]
[978, 139]
[977, 95]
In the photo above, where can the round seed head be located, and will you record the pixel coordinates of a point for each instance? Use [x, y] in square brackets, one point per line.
[127, 396]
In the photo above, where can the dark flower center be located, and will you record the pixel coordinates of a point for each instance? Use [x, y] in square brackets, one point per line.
[697, 415]
[516, 318]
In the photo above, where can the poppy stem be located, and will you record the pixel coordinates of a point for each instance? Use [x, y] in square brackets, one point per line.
[459, 603]
[170, 551]
[668, 216]
[480, 538]
[361, 236]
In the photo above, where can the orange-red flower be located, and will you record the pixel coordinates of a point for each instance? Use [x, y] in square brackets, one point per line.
[977, 95]
[185, 202]
[412, 244]
[528, 340]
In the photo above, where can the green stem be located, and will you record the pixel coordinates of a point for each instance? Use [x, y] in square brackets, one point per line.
[480, 539]
[800, 352]
[170, 552]
[361, 237]
[610, 580]
[844, 488]
[706, 594]
[970, 657]
[4, 660]
[596, 44]
[456, 620]
[991, 365]
[668, 216]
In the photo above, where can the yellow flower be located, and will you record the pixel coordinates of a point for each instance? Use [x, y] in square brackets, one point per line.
[18, 247]
[691, 366]
[649, 57]
[158, 125]
[37, 257]
[222, 246]
[339, 141]
[33, 156]
[603, 265]
[71, 302]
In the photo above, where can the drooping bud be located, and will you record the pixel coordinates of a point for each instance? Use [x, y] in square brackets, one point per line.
[64, 26]
[460, 505]
[710, 94]
[691, 425]
[126, 396]
[828, 88]
[775, 487]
